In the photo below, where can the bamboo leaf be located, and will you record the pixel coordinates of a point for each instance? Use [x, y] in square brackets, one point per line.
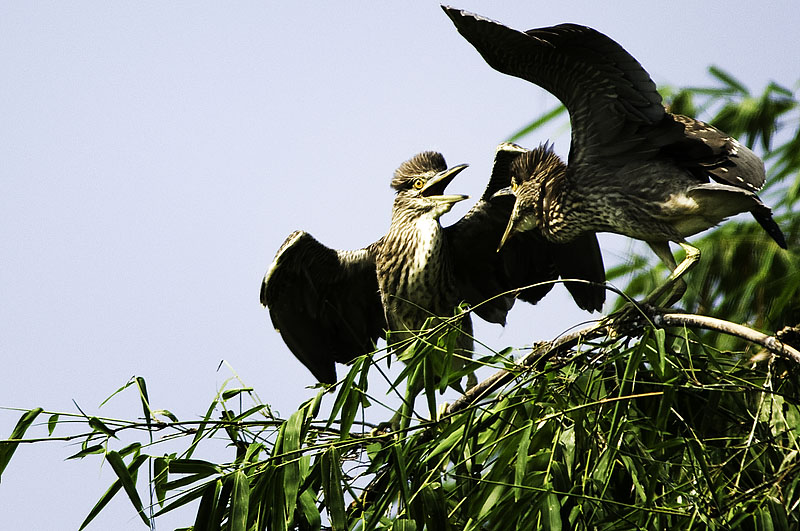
[125, 475]
[332, 488]
[240, 500]
[551, 509]
[308, 509]
[7, 449]
[198, 436]
[160, 478]
[99, 426]
[190, 496]
[291, 470]
[193, 466]
[521, 465]
[539, 122]
[207, 510]
[89, 450]
[114, 488]
[344, 391]
[142, 385]
[231, 393]
[51, 423]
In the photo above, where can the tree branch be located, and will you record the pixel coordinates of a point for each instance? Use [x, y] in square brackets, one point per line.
[547, 350]
[771, 343]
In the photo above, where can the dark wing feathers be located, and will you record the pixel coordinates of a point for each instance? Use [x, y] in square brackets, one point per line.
[581, 259]
[325, 303]
[713, 153]
[526, 259]
[613, 104]
[477, 266]
[616, 113]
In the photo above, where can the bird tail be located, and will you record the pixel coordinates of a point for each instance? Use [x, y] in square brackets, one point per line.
[768, 224]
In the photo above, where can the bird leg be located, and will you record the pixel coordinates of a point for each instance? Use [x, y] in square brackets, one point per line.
[674, 285]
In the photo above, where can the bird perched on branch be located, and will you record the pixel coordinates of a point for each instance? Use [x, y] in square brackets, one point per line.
[634, 168]
[332, 306]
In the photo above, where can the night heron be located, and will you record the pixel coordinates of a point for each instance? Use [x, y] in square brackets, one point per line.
[332, 306]
[634, 168]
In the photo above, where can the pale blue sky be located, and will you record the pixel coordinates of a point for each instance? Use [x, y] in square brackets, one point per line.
[154, 155]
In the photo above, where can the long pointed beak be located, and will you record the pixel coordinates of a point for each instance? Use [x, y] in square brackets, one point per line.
[507, 233]
[434, 189]
[503, 192]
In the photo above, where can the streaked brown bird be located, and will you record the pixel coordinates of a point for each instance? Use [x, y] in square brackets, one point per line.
[634, 168]
[332, 306]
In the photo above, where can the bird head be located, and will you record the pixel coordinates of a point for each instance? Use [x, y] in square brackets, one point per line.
[531, 174]
[420, 182]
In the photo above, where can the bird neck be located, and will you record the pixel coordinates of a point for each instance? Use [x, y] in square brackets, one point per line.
[554, 209]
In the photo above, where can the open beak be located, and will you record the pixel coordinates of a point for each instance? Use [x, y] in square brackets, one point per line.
[434, 189]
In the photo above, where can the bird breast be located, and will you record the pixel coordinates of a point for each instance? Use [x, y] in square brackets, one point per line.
[414, 273]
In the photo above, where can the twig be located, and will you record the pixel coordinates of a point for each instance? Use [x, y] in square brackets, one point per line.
[540, 353]
[547, 350]
[771, 343]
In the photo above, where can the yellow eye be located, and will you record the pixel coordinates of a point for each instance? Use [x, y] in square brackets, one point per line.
[419, 183]
[514, 186]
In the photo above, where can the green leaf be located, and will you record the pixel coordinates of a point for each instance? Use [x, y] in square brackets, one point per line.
[308, 509]
[113, 489]
[207, 510]
[332, 488]
[193, 466]
[115, 393]
[539, 122]
[292, 437]
[344, 391]
[404, 524]
[198, 436]
[142, 385]
[521, 466]
[160, 478]
[190, 496]
[240, 501]
[51, 423]
[729, 80]
[165, 413]
[89, 450]
[661, 349]
[126, 478]
[99, 426]
[551, 510]
[7, 449]
[230, 393]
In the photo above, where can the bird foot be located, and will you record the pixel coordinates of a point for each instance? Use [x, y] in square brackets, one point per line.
[631, 319]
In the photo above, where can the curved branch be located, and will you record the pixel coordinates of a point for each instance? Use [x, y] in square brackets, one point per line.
[547, 350]
[540, 354]
[771, 343]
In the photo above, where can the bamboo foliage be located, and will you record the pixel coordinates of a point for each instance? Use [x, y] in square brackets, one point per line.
[656, 424]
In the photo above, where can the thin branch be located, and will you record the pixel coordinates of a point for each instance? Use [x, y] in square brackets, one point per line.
[541, 353]
[771, 343]
[547, 350]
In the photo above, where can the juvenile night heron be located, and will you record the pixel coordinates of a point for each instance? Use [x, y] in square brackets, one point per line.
[332, 306]
[634, 169]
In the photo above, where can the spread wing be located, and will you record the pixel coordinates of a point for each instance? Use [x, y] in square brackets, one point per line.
[325, 303]
[613, 104]
[709, 152]
[526, 259]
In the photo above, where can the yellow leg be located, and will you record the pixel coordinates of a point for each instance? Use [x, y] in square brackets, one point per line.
[673, 286]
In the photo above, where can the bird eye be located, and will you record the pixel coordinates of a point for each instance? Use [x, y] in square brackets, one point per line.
[419, 183]
[514, 186]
